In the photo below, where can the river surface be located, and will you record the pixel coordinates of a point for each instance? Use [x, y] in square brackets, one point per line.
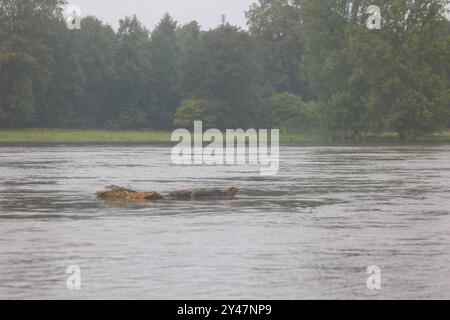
[309, 232]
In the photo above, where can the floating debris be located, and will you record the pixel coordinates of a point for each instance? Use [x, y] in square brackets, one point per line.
[198, 194]
[128, 194]
[125, 194]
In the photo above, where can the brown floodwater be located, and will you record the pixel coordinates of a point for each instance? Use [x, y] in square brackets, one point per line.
[309, 232]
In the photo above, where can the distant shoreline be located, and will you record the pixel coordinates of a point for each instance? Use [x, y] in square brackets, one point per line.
[147, 136]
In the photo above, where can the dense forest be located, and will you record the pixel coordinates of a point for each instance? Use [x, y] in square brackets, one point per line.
[302, 66]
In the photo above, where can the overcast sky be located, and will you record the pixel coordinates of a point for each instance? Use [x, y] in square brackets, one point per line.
[206, 12]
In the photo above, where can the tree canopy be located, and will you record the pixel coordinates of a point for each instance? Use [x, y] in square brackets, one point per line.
[302, 65]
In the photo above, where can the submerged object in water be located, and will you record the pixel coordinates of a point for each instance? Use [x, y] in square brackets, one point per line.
[197, 194]
[127, 194]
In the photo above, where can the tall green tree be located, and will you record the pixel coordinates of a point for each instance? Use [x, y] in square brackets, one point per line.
[420, 96]
[392, 78]
[327, 66]
[134, 93]
[164, 61]
[27, 59]
[97, 46]
[277, 25]
[224, 68]
[67, 87]
[188, 40]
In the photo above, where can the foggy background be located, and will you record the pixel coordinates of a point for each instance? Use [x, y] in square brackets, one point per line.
[206, 12]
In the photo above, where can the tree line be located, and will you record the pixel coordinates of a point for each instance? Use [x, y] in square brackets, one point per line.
[302, 66]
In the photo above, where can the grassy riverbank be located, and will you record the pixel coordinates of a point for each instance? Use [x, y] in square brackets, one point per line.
[104, 136]
[82, 136]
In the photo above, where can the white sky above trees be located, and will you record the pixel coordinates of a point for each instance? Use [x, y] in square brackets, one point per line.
[207, 12]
